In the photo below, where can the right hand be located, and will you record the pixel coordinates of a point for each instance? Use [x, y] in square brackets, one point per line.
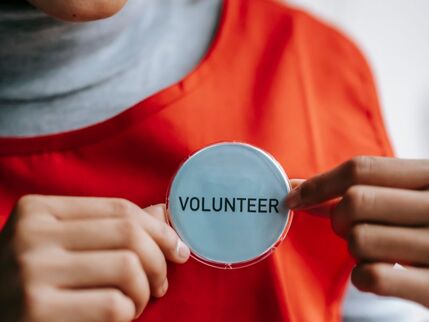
[84, 259]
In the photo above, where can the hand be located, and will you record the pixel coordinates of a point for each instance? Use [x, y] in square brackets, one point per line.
[381, 206]
[84, 259]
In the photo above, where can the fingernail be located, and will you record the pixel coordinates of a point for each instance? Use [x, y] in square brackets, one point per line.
[398, 266]
[182, 250]
[164, 288]
[293, 200]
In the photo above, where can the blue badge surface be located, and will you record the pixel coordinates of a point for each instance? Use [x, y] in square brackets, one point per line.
[226, 203]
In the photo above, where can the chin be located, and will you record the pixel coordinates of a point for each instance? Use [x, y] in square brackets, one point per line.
[79, 10]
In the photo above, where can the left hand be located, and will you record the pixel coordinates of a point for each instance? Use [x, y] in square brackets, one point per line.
[381, 206]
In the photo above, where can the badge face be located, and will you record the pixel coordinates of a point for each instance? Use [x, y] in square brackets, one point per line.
[226, 203]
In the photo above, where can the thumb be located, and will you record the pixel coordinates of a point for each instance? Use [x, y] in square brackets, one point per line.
[321, 210]
[158, 211]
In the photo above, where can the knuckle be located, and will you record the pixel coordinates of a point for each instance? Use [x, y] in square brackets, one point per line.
[425, 203]
[168, 235]
[30, 233]
[164, 230]
[133, 275]
[376, 279]
[359, 167]
[159, 269]
[338, 221]
[358, 241]
[160, 212]
[145, 297]
[154, 261]
[35, 303]
[23, 231]
[144, 293]
[130, 266]
[123, 207]
[31, 297]
[27, 265]
[113, 306]
[358, 202]
[27, 204]
[353, 200]
[130, 231]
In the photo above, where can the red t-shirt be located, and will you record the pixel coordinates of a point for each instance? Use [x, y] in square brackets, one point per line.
[274, 77]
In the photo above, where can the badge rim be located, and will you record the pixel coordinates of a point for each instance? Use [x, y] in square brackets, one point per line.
[272, 248]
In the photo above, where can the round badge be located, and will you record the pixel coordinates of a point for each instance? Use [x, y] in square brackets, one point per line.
[226, 203]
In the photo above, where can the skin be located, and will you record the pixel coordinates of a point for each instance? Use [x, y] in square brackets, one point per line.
[94, 259]
[381, 207]
[79, 10]
[84, 259]
[67, 259]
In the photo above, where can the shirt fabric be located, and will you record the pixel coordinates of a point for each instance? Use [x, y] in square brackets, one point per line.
[273, 77]
[57, 76]
[392, 39]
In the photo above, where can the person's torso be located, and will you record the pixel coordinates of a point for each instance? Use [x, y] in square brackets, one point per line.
[274, 77]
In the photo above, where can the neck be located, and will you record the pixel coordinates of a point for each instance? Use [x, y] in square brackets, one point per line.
[57, 76]
[41, 57]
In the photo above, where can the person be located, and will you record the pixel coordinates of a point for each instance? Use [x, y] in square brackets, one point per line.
[80, 171]
[383, 215]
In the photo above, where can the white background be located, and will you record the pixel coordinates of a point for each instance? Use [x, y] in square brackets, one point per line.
[394, 35]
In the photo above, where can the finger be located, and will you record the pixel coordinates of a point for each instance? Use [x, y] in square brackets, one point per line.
[111, 234]
[376, 243]
[156, 225]
[158, 212]
[383, 279]
[92, 305]
[72, 208]
[165, 237]
[377, 171]
[120, 269]
[117, 233]
[321, 210]
[380, 205]
[78, 208]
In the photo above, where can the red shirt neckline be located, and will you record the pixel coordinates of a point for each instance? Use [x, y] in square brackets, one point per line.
[136, 113]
